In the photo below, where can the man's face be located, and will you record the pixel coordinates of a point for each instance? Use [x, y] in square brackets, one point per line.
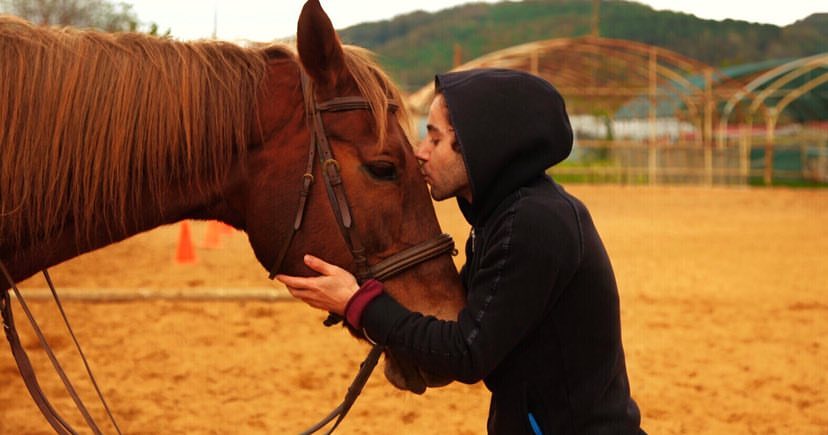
[442, 166]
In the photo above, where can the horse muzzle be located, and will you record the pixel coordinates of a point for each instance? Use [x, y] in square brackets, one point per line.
[407, 377]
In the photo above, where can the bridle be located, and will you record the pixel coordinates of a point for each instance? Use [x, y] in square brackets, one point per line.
[439, 245]
[399, 262]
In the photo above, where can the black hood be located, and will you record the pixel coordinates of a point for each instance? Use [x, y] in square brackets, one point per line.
[511, 127]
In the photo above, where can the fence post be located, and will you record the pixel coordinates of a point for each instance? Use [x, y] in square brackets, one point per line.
[652, 160]
[707, 132]
[770, 126]
[744, 155]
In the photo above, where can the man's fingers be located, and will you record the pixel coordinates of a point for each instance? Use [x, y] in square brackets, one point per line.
[319, 265]
[296, 282]
[329, 291]
[307, 296]
[298, 292]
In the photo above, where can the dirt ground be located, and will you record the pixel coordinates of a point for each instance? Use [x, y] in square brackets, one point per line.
[724, 298]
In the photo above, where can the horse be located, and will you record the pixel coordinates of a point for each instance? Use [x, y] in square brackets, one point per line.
[104, 136]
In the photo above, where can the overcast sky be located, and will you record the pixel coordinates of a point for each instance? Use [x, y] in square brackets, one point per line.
[264, 20]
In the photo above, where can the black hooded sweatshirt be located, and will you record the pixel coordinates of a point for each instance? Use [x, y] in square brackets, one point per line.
[541, 325]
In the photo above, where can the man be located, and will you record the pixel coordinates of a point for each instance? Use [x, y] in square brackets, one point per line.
[541, 325]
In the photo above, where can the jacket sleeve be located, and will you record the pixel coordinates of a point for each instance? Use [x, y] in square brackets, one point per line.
[515, 282]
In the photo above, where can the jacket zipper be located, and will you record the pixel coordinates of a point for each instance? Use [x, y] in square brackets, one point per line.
[473, 239]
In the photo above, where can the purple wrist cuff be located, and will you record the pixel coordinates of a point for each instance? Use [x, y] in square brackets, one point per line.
[356, 305]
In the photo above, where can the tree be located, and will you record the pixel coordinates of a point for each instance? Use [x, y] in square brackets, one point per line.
[100, 14]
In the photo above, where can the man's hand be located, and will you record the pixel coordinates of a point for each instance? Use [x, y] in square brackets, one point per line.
[330, 291]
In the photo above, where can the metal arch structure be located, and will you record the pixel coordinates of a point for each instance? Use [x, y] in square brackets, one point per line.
[595, 73]
[597, 76]
[772, 93]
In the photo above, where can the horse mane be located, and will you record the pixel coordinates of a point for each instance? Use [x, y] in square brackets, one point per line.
[94, 125]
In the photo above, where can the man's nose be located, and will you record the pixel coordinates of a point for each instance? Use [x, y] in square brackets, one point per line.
[422, 152]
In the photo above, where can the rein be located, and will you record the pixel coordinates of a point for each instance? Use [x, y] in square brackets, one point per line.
[27, 372]
[399, 262]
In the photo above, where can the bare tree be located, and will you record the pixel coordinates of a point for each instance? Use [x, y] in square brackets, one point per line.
[100, 14]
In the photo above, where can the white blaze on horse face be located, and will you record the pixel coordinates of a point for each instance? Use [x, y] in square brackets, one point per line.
[442, 166]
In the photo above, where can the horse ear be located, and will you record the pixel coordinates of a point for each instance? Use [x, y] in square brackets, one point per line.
[318, 44]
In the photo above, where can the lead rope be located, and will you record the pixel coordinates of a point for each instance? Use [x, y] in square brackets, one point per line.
[354, 390]
[27, 371]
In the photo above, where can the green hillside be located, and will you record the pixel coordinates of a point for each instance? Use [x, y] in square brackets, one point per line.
[413, 47]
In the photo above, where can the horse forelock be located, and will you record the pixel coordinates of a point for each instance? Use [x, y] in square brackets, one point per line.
[93, 125]
[375, 85]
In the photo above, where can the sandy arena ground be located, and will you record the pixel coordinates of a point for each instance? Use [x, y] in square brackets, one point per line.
[724, 305]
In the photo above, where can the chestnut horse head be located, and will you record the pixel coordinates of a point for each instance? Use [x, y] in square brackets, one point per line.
[104, 136]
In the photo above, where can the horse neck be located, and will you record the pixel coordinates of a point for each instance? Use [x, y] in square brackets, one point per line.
[180, 203]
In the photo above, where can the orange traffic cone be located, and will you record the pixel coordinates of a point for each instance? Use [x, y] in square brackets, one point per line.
[185, 253]
[212, 238]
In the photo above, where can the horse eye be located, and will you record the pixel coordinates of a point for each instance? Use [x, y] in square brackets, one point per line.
[383, 171]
